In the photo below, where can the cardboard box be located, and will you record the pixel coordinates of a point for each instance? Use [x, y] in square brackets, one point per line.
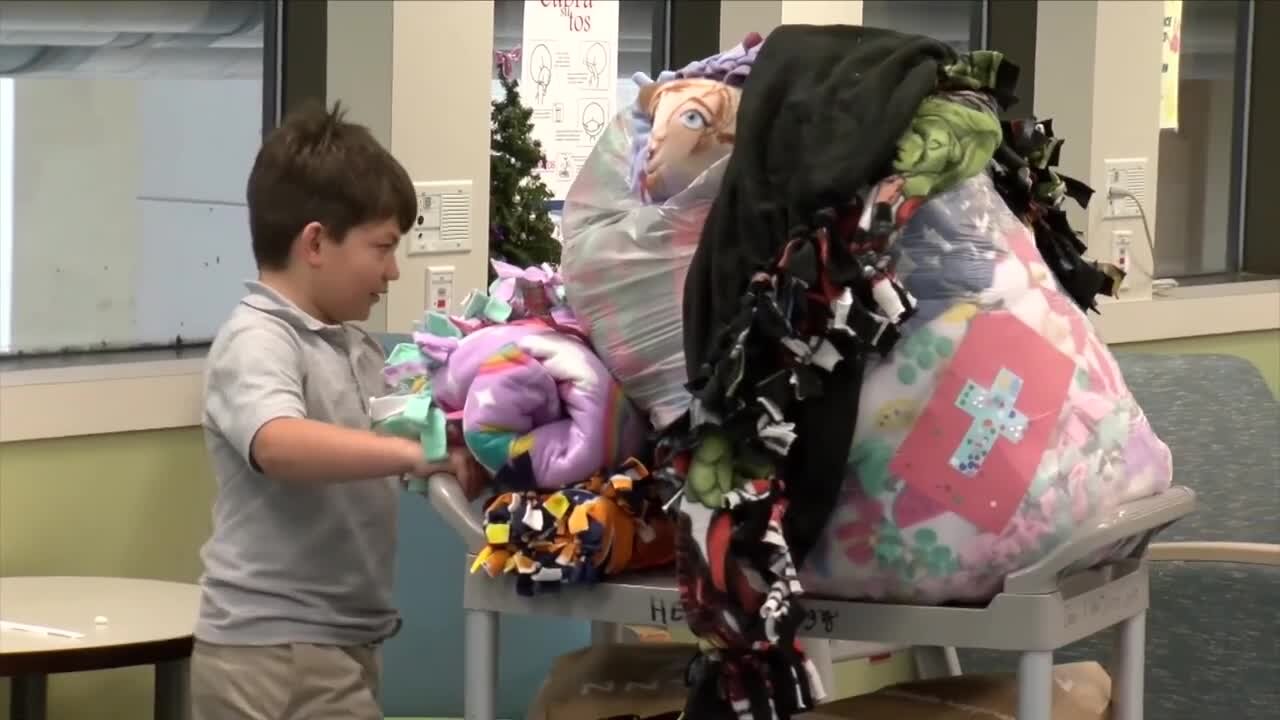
[603, 681]
[1082, 691]
[647, 678]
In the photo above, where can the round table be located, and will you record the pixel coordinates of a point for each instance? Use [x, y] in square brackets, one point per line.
[147, 622]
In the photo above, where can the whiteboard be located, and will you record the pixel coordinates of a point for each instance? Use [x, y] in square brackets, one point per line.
[198, 141]
[199, 137]
[191, 269]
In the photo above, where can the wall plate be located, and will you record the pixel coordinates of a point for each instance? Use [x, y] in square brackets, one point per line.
[443, 224]
[1129, 174]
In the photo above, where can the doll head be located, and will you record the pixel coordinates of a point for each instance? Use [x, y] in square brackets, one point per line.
[694, 123]
[685, 122]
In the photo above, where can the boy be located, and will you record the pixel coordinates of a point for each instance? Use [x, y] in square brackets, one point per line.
[297, 574]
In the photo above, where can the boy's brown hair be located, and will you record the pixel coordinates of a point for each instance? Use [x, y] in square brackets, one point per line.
[317, 167]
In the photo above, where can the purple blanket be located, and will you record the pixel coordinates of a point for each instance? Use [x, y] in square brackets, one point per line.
[538, 408]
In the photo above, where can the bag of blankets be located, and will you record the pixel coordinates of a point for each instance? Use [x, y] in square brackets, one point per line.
[889, 387]
[513, 378]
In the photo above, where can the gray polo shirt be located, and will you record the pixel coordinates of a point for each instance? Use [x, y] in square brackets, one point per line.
[292, 562]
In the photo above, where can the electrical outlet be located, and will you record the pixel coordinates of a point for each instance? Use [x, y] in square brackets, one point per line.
[1129, 175]
[443, 224]
[440, 288]
[1122, 249]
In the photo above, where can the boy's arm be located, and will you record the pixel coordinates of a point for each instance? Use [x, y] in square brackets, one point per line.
[298, 449]
[254, 398]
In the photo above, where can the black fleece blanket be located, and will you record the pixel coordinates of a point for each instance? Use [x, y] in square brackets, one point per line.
[791, 288]
[762, 453]
[820, 118]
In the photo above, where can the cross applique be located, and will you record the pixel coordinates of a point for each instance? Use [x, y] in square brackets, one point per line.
[994, 416]
[975, 446]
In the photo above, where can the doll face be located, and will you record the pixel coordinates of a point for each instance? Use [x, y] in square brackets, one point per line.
[694, 122]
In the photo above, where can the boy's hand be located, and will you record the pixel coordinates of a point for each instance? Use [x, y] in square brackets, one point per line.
[471, 476]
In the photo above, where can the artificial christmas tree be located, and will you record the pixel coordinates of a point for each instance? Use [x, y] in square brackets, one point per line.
[520, 228]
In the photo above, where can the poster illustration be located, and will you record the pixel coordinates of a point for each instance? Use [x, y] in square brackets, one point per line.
[570, 80]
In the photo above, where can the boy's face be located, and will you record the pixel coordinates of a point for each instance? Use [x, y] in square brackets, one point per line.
[351, 275]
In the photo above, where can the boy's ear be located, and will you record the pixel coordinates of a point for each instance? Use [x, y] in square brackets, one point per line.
[310, 241]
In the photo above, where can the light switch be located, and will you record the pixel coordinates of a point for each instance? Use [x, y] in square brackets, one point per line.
[440, 288]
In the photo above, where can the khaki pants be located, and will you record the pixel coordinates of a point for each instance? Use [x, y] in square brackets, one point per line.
[285, 682]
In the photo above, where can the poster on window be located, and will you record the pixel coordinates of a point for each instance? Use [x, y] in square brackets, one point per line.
[570, 50]
[1170, 54]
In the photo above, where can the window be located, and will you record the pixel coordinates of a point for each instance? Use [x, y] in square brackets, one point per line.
[1199, 226]
[958, 23]
[126, 138]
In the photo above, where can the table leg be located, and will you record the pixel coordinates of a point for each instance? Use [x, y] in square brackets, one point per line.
[1128, 669]
[173, 690]
[480, 665]
[1035, 686]
[818, 651]
[27, 694]
[936, 662]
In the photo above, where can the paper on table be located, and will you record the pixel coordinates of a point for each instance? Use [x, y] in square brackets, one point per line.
[39, 630]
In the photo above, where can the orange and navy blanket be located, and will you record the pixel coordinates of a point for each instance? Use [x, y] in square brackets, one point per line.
[610, 524]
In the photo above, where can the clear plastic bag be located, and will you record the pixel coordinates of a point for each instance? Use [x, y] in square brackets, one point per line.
[975, 270]
[935, 508]
[624, 265]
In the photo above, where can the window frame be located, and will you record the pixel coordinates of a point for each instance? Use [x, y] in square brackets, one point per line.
[1260, 213]
[1238, 200]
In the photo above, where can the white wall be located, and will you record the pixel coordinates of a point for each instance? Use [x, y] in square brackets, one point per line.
[950, 21]
[358, 72]
[129, 221]
[1098, 79]
[739, 17]
[947, 20]
[821, 12]
[440, 94]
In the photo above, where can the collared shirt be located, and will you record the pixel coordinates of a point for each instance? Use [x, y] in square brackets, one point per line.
[292, 562]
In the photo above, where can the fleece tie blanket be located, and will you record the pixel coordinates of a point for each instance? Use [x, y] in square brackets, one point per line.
[537, 408]
[610, 524]
[842, 133]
